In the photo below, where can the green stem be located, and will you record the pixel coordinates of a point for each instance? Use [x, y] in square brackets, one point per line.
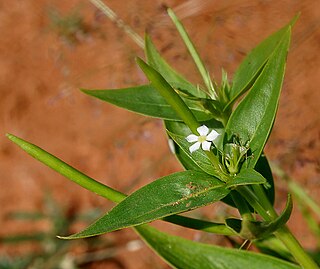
[297, 251]
[192, 50]
[259, 191]
[253, 200]
[218, 166]
[282, 233]
[241, 205]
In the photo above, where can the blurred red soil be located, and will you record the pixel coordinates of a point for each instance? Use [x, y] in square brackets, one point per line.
[41, 73]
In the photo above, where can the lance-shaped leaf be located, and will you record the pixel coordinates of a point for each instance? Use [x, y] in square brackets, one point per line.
[170, 95]
[256, 229]
[147, 101]
[253, 118]
[247, 177]
[176, 193]
[186, 254]
[254, 62]
[157, 62]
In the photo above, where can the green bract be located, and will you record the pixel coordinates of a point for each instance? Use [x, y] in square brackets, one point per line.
[229, 166]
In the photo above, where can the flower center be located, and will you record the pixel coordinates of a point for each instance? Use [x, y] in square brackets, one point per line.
[202, 138]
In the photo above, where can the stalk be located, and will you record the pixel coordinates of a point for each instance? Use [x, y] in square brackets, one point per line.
[268, 213]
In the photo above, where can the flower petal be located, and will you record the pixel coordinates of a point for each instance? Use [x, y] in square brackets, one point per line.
[203, 130]
[171, 146]
[212, 136]
[195, 147]
[206, 145]
[192, 138]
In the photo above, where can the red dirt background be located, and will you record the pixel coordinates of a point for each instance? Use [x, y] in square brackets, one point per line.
[40, 77]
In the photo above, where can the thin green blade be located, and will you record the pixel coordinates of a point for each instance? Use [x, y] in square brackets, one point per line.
[145, 100]
[253, 118]
[176, 193]
[254, 63]
[247, 177]
[157, 62]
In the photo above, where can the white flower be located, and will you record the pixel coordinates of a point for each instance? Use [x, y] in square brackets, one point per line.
[204, 139]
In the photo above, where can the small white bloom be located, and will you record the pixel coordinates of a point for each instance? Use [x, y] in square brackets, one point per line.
[171, 146]
[204, 139]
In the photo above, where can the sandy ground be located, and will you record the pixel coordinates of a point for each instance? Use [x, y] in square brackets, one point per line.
[42, 69]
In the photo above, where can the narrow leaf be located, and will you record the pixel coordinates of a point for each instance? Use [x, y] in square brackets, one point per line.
[271, 227]
[185, 254]
[176, 193]
[157, 62]
[169, 94]
[255, 61]
[253, 118]
[247, 177]
[145, 100]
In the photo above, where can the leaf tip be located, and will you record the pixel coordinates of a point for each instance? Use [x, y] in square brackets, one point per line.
[13, 138]
[139, 61]
[295, 18]
[170, 12]
[86, 91]
[142, 64]
[9, 135]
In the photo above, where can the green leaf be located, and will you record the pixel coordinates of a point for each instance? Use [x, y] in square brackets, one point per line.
[170, 95]
[186, 254]
[255, 61]
[247, 177]
[176, 193]
[157, 62]
[145, 100]
[253, 118]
